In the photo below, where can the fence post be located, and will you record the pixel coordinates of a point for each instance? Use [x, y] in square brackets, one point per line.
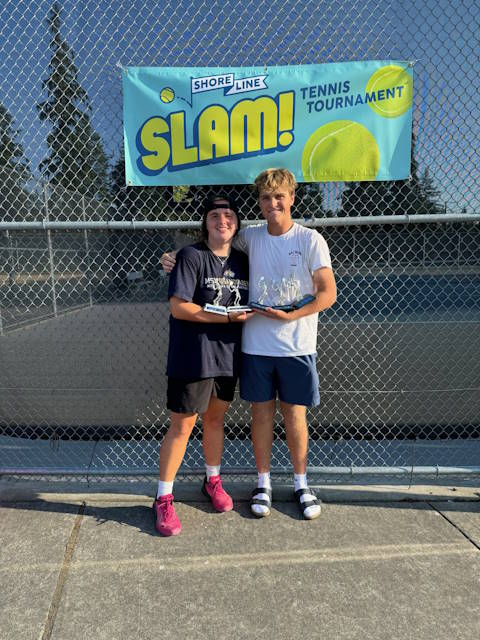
[10, 259]
[17, 256]
[50, 251]
[87, 252]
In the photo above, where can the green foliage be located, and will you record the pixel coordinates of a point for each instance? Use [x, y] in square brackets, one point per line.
[15, 199]
[148, 203]
[76, 159]
[430, 195]
[308, 201]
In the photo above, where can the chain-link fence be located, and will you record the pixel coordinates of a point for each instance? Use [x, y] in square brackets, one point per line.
[85, 332]
[83, 313]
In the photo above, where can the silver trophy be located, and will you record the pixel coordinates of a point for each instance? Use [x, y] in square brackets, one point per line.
[278, 292]
[215, 306]
[236, 307]
[233, 286]
[262, 287]
[219, 289]
[286, 294]
[293, 286]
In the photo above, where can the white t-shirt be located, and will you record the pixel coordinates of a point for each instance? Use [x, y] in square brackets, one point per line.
[281, 269]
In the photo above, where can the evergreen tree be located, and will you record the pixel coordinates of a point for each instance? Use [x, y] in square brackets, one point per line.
[430, 194]
[149, 203]
[76, 159]
[15, 199]
[364, 199]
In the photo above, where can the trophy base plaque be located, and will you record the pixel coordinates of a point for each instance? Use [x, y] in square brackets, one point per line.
[224, 311]
[303, 301]
[262, 307]
[216, 308]
[238, 308]
[298, 304]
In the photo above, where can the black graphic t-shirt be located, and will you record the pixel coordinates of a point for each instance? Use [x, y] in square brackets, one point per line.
[206, 350]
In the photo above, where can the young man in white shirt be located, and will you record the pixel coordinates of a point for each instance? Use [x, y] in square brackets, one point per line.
[287, 263]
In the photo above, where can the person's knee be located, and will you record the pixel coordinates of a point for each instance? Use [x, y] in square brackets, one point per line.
[213, 423]
[182, 428]
[263, 410]
[214, 417]
[294, 415]
[297, 410]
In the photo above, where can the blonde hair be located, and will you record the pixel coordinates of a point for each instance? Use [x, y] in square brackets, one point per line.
[272, 179]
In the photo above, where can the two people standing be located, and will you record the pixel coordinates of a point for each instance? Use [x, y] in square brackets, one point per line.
[278, 346]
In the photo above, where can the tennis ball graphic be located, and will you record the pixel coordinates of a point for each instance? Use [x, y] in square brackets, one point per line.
[397, 87]
[340, 150]
[167, 94]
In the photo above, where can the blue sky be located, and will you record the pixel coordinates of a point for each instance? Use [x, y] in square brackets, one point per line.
[441, 35]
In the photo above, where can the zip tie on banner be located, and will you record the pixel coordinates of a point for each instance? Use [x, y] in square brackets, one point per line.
[120, 66]
[411, 63]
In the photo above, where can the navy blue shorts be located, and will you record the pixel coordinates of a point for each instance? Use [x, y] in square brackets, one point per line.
[293, 378]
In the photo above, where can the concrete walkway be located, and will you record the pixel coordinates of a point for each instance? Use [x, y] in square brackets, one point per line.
[382, 562]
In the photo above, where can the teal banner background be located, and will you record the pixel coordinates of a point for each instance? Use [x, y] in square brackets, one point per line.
[347, 121]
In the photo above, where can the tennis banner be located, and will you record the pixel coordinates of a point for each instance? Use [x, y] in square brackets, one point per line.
[346, 121]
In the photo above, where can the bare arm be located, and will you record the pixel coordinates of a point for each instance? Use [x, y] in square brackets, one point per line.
[325, 292]
[168, 260]
[183, 310]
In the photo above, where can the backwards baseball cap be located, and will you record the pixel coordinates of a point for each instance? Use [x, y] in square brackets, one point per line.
[218, 202]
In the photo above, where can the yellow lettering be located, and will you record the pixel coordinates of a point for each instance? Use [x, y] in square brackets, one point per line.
[285, 118]
[213, 131]
[180, 153]
[248, 115]
[150, 137]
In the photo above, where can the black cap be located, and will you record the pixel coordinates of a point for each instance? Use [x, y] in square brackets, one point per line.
[211, 202]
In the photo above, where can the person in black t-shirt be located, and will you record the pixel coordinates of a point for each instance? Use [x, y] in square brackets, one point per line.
[203, 353]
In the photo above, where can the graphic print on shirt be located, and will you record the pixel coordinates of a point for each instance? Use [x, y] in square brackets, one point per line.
[295, 258]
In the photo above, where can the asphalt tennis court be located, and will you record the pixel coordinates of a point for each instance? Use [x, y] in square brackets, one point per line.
[99, 371]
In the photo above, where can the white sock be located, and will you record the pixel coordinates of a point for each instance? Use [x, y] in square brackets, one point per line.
[263, 482]
[164, 488]
[300, 481]
[211, 471]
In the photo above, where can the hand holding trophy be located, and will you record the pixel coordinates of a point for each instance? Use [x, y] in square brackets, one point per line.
[216, 307]
[286, 294]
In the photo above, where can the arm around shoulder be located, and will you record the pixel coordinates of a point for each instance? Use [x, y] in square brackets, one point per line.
[168, 260]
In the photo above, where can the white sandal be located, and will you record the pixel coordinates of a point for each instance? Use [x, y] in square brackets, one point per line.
[310, 500]
[263, 498]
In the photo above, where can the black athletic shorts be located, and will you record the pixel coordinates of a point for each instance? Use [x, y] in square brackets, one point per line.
[192, 395]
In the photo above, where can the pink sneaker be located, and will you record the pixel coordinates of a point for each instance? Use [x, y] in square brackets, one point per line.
[166, 519]
[213, 489]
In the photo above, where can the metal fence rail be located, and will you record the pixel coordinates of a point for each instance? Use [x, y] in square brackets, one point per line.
[83, 307]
